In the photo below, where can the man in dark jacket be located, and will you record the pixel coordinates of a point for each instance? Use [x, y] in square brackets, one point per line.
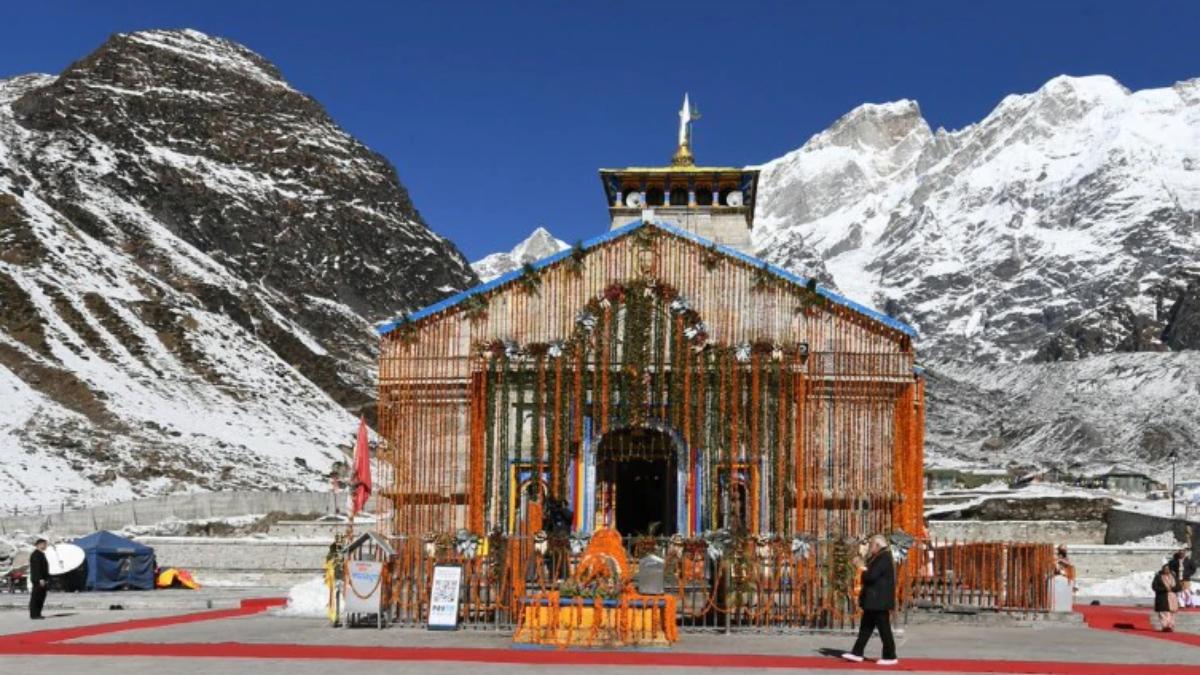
[39, 578]
[877, 600]
[1182, 566]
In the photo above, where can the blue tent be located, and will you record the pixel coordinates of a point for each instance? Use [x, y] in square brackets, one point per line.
[115, 563]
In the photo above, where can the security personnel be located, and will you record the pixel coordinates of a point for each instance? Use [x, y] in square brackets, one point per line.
[39, 578]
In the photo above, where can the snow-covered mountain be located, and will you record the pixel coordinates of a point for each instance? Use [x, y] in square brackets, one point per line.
[192, 255]
[1065, 225]
[535, 247]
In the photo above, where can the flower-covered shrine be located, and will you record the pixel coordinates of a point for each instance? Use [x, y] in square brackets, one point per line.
[649, 392]
[657, 384]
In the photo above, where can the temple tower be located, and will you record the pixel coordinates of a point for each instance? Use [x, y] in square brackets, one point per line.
[716, 203]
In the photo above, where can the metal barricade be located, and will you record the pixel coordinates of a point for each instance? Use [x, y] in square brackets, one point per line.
[766, 585]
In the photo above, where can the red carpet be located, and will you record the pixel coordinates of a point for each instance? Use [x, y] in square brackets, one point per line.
[565, 658]
[55, 642]
[1130, 620]
[248, 607]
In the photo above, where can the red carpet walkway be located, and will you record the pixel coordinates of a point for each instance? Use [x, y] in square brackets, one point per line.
[54, 642]
[1130, 620]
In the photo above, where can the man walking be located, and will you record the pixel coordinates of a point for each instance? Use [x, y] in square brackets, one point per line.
[877, 600]
[39, 577]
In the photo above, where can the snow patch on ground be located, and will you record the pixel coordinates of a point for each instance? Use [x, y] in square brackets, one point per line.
[1132, 585]
[1155, 540]
[307, 599]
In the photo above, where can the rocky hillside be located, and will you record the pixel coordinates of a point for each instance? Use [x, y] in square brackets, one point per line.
[1036, 251]
[535, 247]
[192, 255]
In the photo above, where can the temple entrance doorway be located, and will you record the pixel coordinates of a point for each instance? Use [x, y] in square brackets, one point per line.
[637, 482]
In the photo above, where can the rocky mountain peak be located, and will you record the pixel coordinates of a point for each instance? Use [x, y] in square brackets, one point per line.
[1085, 88]
[879, 126]
[536, 246]
[289, 198]
[215, 54]
[192, 254]
[1062, 226]
[849, 173]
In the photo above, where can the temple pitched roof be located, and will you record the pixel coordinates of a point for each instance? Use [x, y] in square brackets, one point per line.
[515, 276]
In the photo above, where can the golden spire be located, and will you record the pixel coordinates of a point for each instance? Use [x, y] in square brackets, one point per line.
[683, 155]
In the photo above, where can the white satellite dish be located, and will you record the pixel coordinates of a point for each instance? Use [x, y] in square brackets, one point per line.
[8, 555]
[734, 198]
[63, 558]
[633, 200]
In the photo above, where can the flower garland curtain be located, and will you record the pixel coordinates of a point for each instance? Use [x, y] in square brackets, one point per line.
[802, 403]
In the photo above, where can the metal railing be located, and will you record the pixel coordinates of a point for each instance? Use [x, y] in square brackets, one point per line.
[767, 585]
[1011, 577]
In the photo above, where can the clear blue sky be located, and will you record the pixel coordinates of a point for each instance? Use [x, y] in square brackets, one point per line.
[497, 115]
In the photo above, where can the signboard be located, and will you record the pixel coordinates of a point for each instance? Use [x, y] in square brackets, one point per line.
[443, 597]
[1061, 596]
[364, 591]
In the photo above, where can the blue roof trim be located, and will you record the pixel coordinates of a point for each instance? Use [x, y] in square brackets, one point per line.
[794, 278]
[505, 278]
[667, 227]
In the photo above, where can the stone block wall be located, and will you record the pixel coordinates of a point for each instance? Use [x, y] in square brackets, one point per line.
[238, 555]
[1097, 563]
[1053, 531]
[192, 506]
[1131, 526]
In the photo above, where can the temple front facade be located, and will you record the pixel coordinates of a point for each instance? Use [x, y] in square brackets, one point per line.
[655, 380]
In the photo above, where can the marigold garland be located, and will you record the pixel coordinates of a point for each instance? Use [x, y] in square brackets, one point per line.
[719, 359]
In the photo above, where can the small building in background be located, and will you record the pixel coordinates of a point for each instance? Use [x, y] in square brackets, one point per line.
[1130, 482]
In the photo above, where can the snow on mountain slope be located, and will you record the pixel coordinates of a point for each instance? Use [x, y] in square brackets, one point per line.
[1126, 410]
[192, 255]
[535, 247]
[1064, 225]
[1054, 228]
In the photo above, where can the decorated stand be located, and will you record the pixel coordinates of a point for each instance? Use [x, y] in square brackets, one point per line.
[366, 581]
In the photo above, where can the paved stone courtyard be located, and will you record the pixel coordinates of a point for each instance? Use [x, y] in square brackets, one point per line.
[255, 638]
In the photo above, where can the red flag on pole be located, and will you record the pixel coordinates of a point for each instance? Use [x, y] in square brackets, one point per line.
[362, 469]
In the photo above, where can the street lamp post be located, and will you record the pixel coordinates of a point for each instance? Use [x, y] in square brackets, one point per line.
[1174, 460]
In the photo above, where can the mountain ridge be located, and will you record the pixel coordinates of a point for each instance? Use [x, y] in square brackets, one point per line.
[1060, 228]
[539, 244]
[192, 257]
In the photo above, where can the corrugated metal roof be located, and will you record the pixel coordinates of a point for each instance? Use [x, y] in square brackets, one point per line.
[666, 227]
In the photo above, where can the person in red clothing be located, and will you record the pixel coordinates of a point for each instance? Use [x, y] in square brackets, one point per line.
[877, 600]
